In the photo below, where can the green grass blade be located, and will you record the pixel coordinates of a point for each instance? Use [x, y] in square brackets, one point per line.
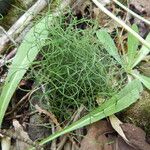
[26, 53]
[109, 44]
[142, 53]
[145, 80]
[133, 44]
[127, 96]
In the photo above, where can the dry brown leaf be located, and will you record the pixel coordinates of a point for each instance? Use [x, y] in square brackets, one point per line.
[101, 136]
[122, 145]
[20, 145]
[135, 136]
[141, 7]
[115, 122]
[96, 138]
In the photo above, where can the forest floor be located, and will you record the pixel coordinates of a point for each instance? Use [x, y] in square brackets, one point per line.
[71, 74]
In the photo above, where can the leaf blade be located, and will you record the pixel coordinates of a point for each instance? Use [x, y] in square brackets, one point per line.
[144, 79]
[26, 53]
[133, 44]
[142, 53]
[109, 44]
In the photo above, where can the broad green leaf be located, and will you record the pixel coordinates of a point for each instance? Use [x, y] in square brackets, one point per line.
[26, 53]
[142, 53]
[144, 79]
[109, 44]
[133, 44]
[127, 96]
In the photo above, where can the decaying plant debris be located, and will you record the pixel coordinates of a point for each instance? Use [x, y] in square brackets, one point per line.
[72, 74]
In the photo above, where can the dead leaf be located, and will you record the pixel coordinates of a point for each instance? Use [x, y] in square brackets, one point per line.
[122, 145]
[115, 122]
[135, 136]
[141, 7]
[96, 138]
[20, 145]
[101, 136]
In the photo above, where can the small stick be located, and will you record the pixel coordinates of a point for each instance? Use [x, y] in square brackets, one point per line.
[74, 118]
[78, 113]
[22, 22]
[55, 121]
[53, 145]
[6, 34]
[20, 116]
[18, 104]
[62, 143]
[5, 59]
[50, 115]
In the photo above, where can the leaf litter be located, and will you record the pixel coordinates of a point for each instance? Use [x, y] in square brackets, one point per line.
[101, 136]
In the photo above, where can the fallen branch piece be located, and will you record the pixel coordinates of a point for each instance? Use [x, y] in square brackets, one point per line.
[21, 23]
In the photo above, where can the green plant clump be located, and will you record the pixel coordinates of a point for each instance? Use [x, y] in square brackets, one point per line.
[74, 68]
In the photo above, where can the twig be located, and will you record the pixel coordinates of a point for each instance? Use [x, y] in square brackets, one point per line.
[62, 143]
[55, 121]
[53, 145]
[22, 22]
[73, 148]
[50, 115]
[20, 116]
[74, 118]
[8, 57]
[78, 113]
[6, 34]
[18, 104]
[11, 54]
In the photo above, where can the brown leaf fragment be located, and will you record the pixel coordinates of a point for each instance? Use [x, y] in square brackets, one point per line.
[119, 143]
[96, 138]
[141, 7]
[122, 145]
[135, 136]
[101, 136]
[23, 141]
[20, 145]
[115, 122]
